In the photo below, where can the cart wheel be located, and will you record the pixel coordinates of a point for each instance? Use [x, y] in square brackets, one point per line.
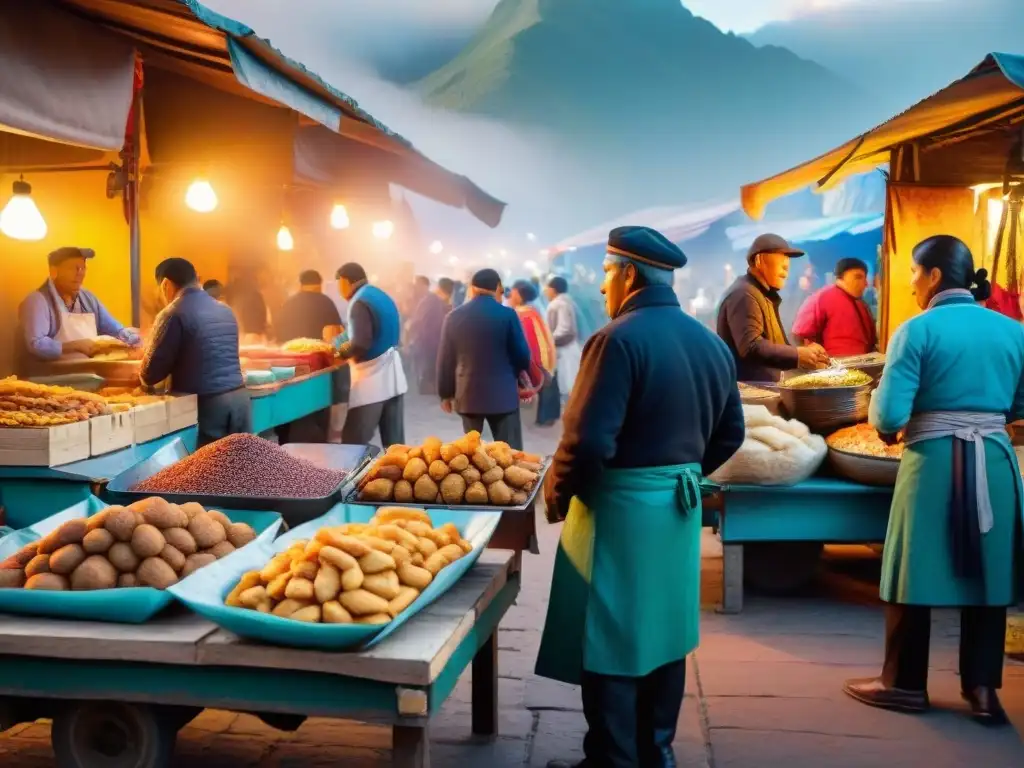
[780, 568]
[112, 735]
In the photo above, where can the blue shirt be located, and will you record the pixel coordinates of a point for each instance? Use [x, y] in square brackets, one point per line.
[39, 318]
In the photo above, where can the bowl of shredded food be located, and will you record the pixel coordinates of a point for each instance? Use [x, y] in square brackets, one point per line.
[827, 400]
[859, 454]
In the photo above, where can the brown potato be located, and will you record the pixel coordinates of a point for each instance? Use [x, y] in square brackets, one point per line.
[471, 475]
[206, 531]
[343, 561]
[223, 549]
[48, 582]
[127, 580]
[499, 494]
[248, 581]
[160, 514]
[352, 578]
[123, 557]
[174, 557]
[181, 540]
[299, 589]
[253, 596]
[99, 519]
[453, 489]
[156, 573]
[459, 463]
[387, 472]
[66, 559]
[22, 557]
[517, 477]
[95, 573]
[378, 490]
[375, 562]
[530, 466]
[482, 461]
[240, 534]
[374, 618]
[12, 578]
[425, 490]
[220, 517]
[327, 584]
[359, 602]
[71, 532]
[448, 452]
[192, 508]
[414, 470]
[492, 476]
[147, 541]
[38, 564]
[194, 562]
[286, 608]
[384, 584]
[431, 450]
[98, 541]
[406, 596]
[403, 491]
[438, 471]
[333, 613]
[310, 614]
[519, 498]
[414, 576]
[394, 459]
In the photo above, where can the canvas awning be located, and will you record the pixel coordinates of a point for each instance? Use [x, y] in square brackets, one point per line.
[991, 95]
[807, 230]
[186, 37]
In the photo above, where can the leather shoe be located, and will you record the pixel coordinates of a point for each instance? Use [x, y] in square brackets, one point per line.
[875, 693]
[985, 706]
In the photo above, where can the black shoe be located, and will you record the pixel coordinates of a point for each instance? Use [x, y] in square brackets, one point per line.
[873, 692]
[566, 764]
[985, 706]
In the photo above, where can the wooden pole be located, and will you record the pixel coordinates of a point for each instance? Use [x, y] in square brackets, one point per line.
[133, 189]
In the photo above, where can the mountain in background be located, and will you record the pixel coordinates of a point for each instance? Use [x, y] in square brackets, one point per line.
[902, 52]
[658, 105]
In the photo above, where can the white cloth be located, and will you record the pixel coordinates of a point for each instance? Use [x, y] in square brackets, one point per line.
[775, 452]
[974, 427]
[377, 380]
[75, 326]
[562, 322]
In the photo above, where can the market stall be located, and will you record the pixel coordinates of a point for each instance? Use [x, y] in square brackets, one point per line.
[956, 166]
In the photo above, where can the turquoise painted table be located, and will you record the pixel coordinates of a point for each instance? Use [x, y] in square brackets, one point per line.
[30, 494]
[773, 536]
[110, 711]
[280, 403]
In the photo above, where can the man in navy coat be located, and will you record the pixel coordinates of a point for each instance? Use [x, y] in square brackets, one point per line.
[483, 351]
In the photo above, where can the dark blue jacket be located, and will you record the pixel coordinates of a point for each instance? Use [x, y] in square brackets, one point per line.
[195, 342]
[655, 388]
[483, 351]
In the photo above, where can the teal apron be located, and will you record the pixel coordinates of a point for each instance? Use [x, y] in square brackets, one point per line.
[625, 594]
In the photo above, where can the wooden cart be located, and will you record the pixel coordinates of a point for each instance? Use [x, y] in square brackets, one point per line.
[118, 694]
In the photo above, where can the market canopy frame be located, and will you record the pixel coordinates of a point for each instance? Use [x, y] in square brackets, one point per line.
[990, 99]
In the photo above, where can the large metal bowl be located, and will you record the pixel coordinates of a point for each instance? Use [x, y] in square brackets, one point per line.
[826, 409]
[867, 470]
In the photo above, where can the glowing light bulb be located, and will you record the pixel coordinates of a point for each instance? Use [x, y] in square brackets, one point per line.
[200, 196]
[383, 230]
[20, 219]
[436, 247]
[285, 241]
[339, 217]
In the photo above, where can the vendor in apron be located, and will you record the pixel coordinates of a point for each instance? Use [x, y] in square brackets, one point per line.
[195, 344]
[657, 408]
[953, 375]
[373, 331]
[61, 319]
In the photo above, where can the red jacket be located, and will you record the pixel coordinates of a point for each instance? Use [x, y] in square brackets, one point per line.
[842, 324]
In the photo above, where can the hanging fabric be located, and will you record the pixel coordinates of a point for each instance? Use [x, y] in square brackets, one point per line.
[1005, 297]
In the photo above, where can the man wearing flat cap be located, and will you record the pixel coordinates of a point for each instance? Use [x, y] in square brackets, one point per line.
[655, 409]
[61, 318]
[482, 353]
[749, 320]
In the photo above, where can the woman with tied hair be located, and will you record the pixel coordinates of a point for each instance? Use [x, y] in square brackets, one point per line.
[954, 376]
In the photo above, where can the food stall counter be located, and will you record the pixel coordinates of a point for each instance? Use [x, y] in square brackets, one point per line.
[284, 402]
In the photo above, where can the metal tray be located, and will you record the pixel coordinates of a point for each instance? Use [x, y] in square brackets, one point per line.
[351, 495]
[869, 470]
[352, 458]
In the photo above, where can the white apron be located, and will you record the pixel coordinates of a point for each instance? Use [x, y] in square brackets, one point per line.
[567, 364]
[377, 380]
[75, 326]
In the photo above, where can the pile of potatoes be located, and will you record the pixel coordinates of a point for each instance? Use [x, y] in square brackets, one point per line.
[353, 573]
[464, 472]
[150, 543]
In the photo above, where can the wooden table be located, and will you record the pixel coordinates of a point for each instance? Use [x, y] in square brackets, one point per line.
[148, 681]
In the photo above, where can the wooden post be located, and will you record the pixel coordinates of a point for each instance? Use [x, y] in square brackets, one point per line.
[134, 230]
[485, 688]
[410, 747]
[732, 578]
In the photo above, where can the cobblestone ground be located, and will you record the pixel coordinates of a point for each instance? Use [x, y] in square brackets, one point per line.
[763, 691]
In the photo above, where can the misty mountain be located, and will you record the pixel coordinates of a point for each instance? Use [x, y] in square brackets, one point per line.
[902, 52]
[659, 105]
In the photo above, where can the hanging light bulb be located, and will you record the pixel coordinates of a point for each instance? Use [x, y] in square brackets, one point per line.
[20, 219]
[383, 230]
[200, 196]
[339, 217]
[436, 247]
[285, 241]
